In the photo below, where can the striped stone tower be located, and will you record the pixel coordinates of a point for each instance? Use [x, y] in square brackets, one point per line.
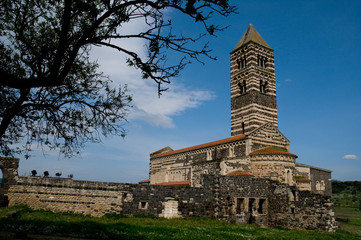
[253, 84]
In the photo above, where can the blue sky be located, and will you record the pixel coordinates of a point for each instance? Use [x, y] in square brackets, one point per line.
[318, 73]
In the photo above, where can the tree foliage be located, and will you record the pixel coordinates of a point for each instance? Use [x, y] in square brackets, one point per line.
[53, 94]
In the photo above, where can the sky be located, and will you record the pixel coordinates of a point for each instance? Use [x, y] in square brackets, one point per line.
[318, 74]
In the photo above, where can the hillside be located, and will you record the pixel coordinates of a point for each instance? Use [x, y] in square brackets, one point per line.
[347, 194]
[347, 202]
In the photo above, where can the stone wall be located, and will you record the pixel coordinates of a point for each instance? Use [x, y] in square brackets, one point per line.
[240, 199]
[275, 167]
[321, 181]
[99, 198]
[303, 210]
[245, 199]
[9, 168]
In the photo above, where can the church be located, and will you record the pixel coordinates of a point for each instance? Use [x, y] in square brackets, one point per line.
[250, 177]
[256, 148]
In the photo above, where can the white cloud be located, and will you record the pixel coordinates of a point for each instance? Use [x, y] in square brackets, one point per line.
[146, 104]
[351, 156]
[159, 111]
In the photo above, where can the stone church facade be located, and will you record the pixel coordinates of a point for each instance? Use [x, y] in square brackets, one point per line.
[256, 148]
[250, 177]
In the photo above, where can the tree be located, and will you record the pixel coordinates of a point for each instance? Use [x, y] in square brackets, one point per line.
[53, 94]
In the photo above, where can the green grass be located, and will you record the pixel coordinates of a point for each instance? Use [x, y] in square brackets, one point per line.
[354, 216]
[24, 221]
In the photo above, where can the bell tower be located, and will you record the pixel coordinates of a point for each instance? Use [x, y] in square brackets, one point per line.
[253, 84]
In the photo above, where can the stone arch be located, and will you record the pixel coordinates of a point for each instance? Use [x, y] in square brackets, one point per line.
[9, 168]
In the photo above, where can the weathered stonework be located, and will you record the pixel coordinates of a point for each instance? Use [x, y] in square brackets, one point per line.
[9, 168]
[241, 199]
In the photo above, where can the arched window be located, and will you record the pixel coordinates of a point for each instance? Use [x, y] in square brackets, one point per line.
[242, 87]
[241, 63]
[262, 86]
[262, 61]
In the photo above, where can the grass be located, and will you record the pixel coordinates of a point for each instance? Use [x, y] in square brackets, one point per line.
[24, 221]
[354, 217]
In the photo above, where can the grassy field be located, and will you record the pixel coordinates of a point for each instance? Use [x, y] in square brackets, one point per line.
[347, 200]
[23, 222]
[353, 215]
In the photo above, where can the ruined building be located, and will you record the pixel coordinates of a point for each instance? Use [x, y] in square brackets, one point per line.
[250, 177]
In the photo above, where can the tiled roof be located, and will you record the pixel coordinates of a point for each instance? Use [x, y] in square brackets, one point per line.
[272, 151]
[174, 183]
[227, 140]
[145, 181]
[303, 179]
[239, 173]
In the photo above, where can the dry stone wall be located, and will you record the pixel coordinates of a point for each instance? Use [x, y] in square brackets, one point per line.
[99, 198]
[303, 210]
[264, 202]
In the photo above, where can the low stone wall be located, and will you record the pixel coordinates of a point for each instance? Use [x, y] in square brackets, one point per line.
[237, 199]
[99, 198]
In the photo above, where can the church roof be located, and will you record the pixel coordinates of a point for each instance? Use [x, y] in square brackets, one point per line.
[145, 181]
[239, 173]
[302, 179]
[210, 144]
[180, 183]
[251, 35]
[272, 151]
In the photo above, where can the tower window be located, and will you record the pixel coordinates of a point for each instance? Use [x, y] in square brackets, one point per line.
[262, 86]
[241, 63]
[262, 61]
[242, 87]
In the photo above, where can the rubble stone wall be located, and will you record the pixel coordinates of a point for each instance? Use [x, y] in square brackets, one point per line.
[99, 198]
